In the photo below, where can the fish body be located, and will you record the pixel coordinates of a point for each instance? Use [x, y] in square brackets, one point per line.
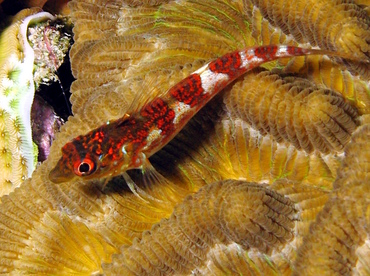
[128, 142]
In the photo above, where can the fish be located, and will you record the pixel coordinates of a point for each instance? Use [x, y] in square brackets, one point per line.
[127, 143]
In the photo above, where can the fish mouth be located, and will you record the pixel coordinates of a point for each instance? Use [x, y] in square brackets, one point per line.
[56, 175]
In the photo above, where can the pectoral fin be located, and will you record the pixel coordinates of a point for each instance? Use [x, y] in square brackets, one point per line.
[133, 186]
[160, 188]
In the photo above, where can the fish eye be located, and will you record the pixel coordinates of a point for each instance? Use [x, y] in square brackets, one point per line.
[85, 167]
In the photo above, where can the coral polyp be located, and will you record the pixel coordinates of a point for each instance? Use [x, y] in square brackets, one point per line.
[295, 110]
[224, 212]
[345, 218]
[25, 63]
[334, 25]
[17, 91]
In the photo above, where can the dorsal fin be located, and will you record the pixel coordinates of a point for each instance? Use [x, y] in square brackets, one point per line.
[122, 121]
[153, 85]
[146, 90]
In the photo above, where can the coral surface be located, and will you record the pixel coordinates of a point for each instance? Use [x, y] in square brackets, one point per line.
[271, 177]
[31, 51]
[338, 25]
[17, 89]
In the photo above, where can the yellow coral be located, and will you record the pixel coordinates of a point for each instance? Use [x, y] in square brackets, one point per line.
[337, 242]
[223, 212]
[294, 110]
[339, 25]
[123, 50]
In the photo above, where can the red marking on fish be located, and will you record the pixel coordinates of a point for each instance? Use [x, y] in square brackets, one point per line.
[189, 91]
[228, 64]
[126, 143]
[158, 113]
[294, 51]
[266, 52]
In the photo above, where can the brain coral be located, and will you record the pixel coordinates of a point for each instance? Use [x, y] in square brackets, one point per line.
[241, 185]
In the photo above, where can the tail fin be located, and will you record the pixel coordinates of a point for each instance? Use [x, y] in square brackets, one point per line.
[272, 52]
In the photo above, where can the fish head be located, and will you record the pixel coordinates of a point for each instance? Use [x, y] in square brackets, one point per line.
[74, 163]
[90, 159]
